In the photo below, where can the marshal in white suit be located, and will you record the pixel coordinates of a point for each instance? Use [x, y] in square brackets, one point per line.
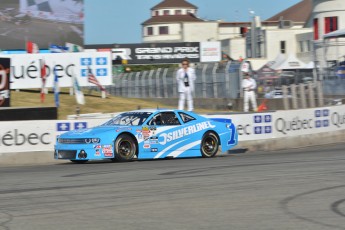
[185, 83]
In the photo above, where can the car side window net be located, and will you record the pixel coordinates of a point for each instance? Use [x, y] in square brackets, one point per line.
[170, 118]
[186, 118]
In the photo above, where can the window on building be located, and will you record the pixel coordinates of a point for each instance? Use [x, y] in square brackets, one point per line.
[149, 31]
[163, 30]
[331, 24]
[308, 46]
[243, 31]
[283, 47]
[301, 46]
[166, 12]
[178, 12]
[156, 13]
[316, 29]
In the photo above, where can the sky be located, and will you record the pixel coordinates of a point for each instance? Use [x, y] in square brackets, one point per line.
[119, 21]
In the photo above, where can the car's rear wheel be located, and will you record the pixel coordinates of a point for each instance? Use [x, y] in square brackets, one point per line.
[125, 148]
[209, 145]
[79, 161]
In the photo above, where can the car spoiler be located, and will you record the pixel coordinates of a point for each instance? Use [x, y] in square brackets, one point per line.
[223, 120]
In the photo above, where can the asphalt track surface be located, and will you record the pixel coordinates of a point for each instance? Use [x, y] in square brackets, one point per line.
[292, 189]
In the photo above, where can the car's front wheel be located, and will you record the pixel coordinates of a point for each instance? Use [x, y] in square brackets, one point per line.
[125, 148]
[209, 145]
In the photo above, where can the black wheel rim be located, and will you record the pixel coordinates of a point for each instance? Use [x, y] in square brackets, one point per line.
[209, 146]
[125, 148]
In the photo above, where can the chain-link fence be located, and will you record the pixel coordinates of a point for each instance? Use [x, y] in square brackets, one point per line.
[213, 81]
[218, 80]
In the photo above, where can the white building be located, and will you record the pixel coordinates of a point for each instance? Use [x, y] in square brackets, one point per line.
[292, 31]
[328, 16]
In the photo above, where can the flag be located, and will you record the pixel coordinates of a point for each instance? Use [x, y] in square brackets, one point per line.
[58, 49]
[56, 89]
[31, 47]
[79, 96]
[93, 80]
[73, 48]
[43, 78]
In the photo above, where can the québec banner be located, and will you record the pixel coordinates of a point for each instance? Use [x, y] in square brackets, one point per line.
[26, 68]
[27, 136]
[5, 64]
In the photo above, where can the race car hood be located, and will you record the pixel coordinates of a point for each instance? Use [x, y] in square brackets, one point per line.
[94, 132]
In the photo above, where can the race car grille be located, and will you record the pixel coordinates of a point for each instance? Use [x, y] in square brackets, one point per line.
[67, 154]
[71, 141]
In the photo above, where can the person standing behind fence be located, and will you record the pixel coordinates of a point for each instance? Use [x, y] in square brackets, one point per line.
[249, 86]
[185, 77]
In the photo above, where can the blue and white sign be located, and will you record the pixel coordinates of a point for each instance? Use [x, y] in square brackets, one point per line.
[262, 124]
[28, 66]
[97, 65]
[101, 61]
[101, 72]
[63, 126]
[341, 71]
[80, 125]
[85, 61]
[322, 118]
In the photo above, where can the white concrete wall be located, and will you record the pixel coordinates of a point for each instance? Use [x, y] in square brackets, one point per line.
[307, 55]
[226, 32]
[200, 31]
[273, 38]
[237, 48]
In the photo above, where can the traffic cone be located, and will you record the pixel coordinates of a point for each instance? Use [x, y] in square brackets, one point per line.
[262, 106]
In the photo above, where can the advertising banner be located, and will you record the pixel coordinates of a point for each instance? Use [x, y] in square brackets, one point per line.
[26, 68]
[162, 53]
[210, 52]
[27, 136]
[280, 124]
[151, 53]
[5, 94]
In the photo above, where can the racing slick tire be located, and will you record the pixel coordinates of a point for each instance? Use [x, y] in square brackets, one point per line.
[209, 145]
[79, 161]
[125, 148]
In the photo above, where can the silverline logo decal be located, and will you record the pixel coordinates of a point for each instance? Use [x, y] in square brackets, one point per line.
[177, 134]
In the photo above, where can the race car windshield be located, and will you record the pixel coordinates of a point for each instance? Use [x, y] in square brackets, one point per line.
[130, 118]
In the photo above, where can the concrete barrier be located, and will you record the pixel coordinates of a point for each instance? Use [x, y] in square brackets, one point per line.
[46, 157]
[257, 132]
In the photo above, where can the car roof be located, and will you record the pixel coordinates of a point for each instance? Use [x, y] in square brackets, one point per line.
[153, 110]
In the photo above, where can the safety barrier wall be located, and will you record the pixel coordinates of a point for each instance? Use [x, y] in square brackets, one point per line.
[29, 136]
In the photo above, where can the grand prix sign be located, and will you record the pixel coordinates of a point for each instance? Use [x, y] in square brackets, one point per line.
[26, 68]
[163, 53]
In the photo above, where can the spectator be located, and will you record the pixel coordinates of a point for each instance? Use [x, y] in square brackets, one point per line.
[185, 77]
[249, 86]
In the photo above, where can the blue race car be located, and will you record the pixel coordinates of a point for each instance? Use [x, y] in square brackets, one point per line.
[148, 134]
